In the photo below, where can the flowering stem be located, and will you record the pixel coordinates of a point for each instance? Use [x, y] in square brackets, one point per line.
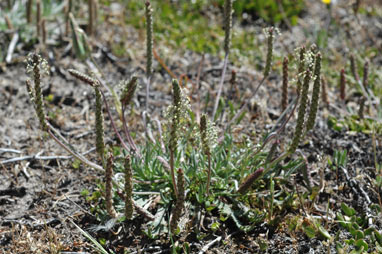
[172, 170]
[109, 187]
[112, 121]
[220, 86]
[76, 155]
[149, 50]
[209, 174]
[179, 205]
[127, 133]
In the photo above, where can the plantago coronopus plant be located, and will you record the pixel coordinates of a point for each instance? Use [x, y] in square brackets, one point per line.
[206, 147]
[365, 83]
[179, 205]
[178, 116]
[100, 144]
[125, 99]
[301, 113]
[44, 32]
[365, 80]
[83, 77]
[247, 183]
[129, 206]
[227, 25]
[342, 85]
[353, 68]
[95, 83]
[128, 91]
[301, 66]
[270, 34]
[109, 187]
[149, 49]
[38, 66]
[208, 136]
[315, 95]
[227, 44]
[175, 122]
[361, 107]
[284, 95]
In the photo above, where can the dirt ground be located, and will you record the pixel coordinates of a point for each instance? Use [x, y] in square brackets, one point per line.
[41, 185]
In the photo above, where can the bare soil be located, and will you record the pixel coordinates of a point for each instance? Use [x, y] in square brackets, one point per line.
[40, 196]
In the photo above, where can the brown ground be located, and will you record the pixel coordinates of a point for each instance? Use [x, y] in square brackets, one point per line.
[40, 197]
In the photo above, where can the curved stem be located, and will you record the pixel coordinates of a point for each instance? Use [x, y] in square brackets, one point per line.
[127, 132]
[112, 121]
[76, 155]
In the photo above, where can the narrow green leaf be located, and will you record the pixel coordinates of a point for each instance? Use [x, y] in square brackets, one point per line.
[349, 211]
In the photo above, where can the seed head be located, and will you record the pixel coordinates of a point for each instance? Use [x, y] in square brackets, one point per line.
[324, 93]
[269, 33]
[177, 114]
[128, 90]
[83, 77]
[342, 85]
[316, 94]
[301, 114]
[284, 96]
[37, 66]
[365, 75]
[203, 134]
[353, 68]
[247, 183]
[361, 107]
[227, 24]
[301, 66]
[149, 39]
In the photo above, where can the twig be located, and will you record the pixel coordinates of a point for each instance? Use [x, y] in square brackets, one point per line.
[38, 157]
[9, 150]
[76, 155]
[143, 211]
[207, 246]
[24, 170]
[11, 47]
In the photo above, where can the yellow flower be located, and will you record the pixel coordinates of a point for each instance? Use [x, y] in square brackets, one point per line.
[326, 1]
